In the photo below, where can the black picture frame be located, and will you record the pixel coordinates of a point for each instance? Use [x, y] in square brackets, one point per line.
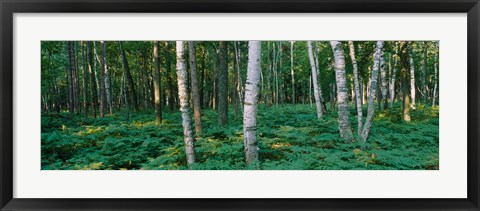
[9, 7]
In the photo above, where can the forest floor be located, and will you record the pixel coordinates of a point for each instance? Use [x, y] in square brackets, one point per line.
[290, 137]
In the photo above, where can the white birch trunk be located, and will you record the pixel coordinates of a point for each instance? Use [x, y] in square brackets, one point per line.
[383, 78]
[371, 96]
[251, 97]
[357, 87]
[412, 81]
[292, 72]
[184, 106]
[315, 83]
[435, 80]
[342, 92]
[392, 81]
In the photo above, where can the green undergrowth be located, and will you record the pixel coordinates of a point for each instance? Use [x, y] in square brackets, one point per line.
[290, 138]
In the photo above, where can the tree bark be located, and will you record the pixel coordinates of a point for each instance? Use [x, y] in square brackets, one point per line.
[251, 97]
[392, 77]
[315, 83]
[357, 88]
[169, 79]
[342, 92]
[156, 84]
[383, 77]
[292, 71]
[371, 96]
[84, 82]
[223, 85]
[194, 84]
[435, 79]
[71, 104]
[131, 84]
[184, 104]
[404, 75]
[102, 82]
[412, 80]
[93, 87]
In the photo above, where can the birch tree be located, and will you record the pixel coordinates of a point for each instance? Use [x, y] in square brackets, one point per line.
[383, 77]
[357, 89]
[184, 106]
[392, 77]
[103, 97]
[108, 91]
[412, 80]
[292, 71]
[435, 78]
[315, 83]
[91, 71]
[157, 83]
[193, 79]
[342, 92]
[371, 96]
[251, 98]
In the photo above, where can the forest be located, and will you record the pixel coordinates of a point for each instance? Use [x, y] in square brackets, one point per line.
[239, 105]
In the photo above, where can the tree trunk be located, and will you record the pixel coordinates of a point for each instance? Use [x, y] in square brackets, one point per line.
[194, 84]
[371, 96]
[84, 82]
[315, 83]
[392, 78]
[404, 75]
[412, 80]
[435, 79]
[157, 84]
[239, 82]
[251, 97]
[102, 82]
[223, 85]
[357, 88]
[292, 71]
[131, 84]
[424, 72]
[71, 103]
[342, 92]
[169, 79]
[93, 87]
[184, 106]
[384, 81]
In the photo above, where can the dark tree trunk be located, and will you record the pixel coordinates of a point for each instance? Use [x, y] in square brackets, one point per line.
[131, 84]
[223, 84]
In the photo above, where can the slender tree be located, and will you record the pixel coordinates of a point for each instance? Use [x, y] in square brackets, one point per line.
[371, 96]
[342, 92]
[412, 80]
[357, 89]
[184, 103]
[292, 71]
[316, 92]
[435, 79]
[84, 81]
[251, 98]
[223, 84]
[383, 77]
[131, 84]
[156, 84]
[404, 74]
[195, 92]
[102, 82]
[91, 71]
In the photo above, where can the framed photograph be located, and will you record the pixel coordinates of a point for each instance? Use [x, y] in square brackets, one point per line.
[265, 105]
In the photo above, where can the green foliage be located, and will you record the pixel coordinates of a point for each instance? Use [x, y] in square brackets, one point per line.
[290, 137]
